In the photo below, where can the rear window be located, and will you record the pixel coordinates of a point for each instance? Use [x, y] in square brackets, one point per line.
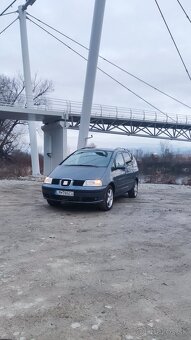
[97, 158]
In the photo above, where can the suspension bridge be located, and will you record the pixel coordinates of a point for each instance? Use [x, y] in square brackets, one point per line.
[59, 116]
[104, 119]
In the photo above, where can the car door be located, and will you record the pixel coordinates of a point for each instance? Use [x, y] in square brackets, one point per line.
[119, 174]
[130, 174]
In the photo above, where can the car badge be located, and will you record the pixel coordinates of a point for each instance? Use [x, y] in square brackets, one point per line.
[65, 182]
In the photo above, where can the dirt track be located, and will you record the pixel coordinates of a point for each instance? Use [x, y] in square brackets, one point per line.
[79, 273]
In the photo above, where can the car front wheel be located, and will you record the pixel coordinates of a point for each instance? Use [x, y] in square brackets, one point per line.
[108, 199]
[134, 191]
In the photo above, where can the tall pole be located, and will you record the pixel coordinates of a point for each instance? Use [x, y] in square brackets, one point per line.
[91, 71]
[28, 91]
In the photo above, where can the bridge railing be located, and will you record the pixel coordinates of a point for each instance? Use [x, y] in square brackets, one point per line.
[113, 112]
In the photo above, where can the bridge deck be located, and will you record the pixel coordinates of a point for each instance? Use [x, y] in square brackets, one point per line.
[21, 113]
[107, 119]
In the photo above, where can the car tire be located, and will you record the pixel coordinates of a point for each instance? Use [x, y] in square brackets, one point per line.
[53, 203]
[108, 199]
[134, 191]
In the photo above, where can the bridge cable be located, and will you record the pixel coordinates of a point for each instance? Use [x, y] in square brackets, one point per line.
[8, 13]
[184, 11]
[8, 26]
[7, 8]
[107, 74]
[115, 65]
[181, 58]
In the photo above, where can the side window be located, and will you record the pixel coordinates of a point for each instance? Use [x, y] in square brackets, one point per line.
[127, 157]
[119, 160]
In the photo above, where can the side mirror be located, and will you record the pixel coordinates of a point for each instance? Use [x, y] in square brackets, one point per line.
[129, 161]
[121, 167]
[118, 168]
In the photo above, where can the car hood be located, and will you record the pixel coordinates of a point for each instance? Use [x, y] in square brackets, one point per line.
[78, 172]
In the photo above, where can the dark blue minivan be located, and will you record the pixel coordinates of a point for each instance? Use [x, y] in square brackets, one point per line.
[92, 175]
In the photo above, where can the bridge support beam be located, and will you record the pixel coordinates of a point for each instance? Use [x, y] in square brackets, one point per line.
[55, 144]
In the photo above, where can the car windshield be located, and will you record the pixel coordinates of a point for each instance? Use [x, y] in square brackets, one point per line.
[95, 158]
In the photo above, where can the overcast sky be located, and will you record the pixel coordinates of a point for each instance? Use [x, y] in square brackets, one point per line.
[134, 37]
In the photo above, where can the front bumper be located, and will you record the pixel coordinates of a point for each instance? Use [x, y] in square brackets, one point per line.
[81, 194]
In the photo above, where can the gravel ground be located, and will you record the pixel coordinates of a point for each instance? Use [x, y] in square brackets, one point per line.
[80, 273]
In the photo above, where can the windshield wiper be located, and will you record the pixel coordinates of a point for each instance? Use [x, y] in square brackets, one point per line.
[88, 165]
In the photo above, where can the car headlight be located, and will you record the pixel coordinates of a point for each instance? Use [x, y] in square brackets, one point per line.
[93, 183]
[48, 180]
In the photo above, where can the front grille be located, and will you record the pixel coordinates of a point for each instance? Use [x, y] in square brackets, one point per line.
[75, 182]
[55, 181]
[80, 199]
[78, 183]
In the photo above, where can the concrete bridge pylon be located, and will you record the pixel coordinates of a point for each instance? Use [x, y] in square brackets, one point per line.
[55, 144]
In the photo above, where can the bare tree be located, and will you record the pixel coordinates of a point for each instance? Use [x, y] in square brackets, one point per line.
[11, 92]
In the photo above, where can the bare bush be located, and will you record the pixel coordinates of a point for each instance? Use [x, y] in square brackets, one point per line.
[11, 90]
[167, 168]
[18, 165]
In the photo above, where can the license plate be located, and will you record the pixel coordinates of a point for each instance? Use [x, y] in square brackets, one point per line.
[64, 193]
